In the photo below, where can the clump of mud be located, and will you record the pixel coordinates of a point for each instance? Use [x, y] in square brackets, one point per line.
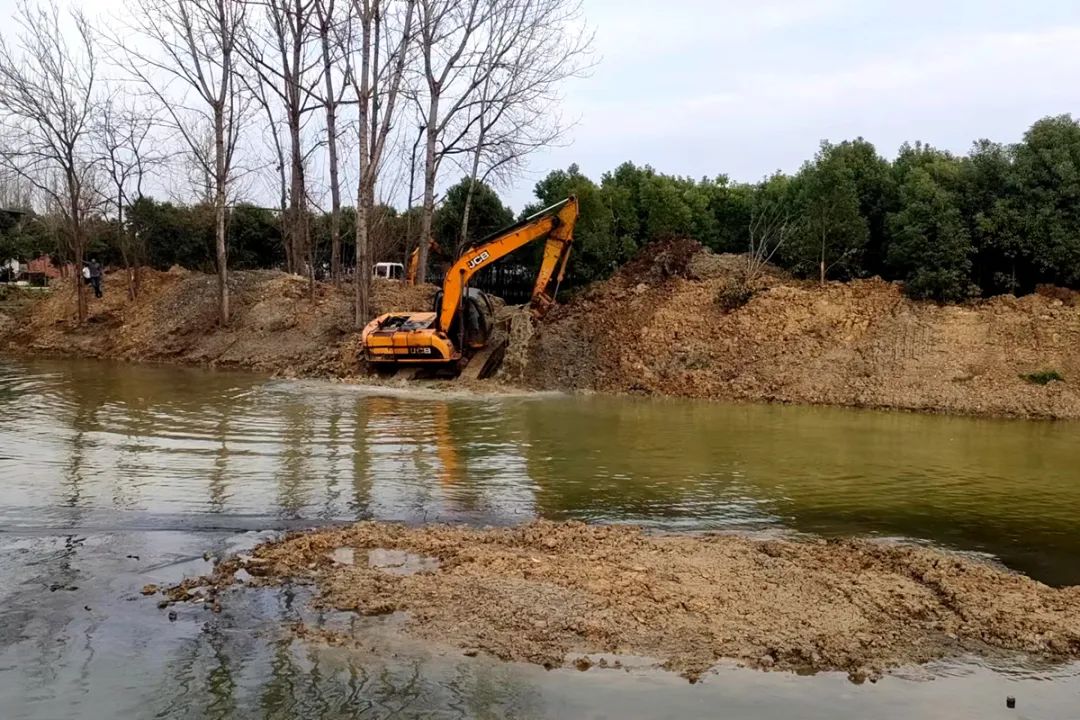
[520, 328]
[544, 591]
[662, 260]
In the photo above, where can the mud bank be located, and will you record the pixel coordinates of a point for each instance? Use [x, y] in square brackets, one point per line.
[275, 327]
[548, 592]
[660, 327]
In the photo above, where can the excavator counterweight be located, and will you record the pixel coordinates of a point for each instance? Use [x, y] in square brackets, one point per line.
[459, 329]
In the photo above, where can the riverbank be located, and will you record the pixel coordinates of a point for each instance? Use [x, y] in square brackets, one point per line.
[276, 328]
[555, 593]
[658, 327]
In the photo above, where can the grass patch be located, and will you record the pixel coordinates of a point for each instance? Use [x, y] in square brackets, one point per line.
[1042, 377]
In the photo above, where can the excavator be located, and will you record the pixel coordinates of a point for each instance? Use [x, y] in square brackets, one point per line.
[458, 336]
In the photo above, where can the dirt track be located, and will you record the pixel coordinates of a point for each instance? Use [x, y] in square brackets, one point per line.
[543, 591]
[657, 328]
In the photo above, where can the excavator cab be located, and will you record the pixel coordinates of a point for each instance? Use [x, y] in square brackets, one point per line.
[460, 327]
[477, 312]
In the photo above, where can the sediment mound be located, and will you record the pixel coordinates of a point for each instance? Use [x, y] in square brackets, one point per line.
[543, 591]
[661, 326]
[275, 326]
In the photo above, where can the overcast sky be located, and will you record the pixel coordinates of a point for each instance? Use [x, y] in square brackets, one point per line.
[703, 87]
[747, 87]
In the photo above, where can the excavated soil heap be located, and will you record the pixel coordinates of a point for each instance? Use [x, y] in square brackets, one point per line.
[660, 327]
[543, 591]
[275, 326]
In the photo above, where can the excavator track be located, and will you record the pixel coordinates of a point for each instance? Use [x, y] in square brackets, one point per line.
[486, 362]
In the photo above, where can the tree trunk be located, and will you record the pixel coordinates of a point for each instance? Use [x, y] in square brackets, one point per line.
[823, 258]
[311, 260]
[331, 143]
[429, 188]
[77, 246]
[363, 260]
[219, 207]
[464, 242]
[283, 215]
[80, 285]
[296, 194]
[127, 248]
[335, 189]
[129, 272]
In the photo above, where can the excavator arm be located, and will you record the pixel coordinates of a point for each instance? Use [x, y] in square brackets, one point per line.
[412, 266]
[414, 261]
[556, 222]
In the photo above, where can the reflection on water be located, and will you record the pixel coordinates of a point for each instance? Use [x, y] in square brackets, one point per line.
[114, 476]
[102, 445]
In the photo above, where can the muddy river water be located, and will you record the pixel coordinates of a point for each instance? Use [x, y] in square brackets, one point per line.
[113, 476]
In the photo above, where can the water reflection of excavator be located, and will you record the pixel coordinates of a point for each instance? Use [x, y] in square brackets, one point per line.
[459, 332]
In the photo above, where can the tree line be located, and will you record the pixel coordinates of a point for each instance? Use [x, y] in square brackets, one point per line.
[311, 102]
[171, 233]
[1000, 219]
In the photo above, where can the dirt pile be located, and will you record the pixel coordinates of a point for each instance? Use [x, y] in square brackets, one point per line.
[15, 301]
[275, 326]
[660, 327]
[543, 591]
[519, 324]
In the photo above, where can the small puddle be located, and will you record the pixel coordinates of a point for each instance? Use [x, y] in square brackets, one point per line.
[342, 556]
[399, 562]
[394, 562]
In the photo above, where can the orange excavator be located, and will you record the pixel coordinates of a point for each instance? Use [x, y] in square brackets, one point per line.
[458, 333]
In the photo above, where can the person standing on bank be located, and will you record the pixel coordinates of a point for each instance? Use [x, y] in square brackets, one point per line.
[95, 276]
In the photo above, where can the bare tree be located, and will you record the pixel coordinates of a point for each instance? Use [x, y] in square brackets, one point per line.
[530, 48]
[448, 33]
[770, 227]
[47, 102]
[123, 139]
[195, 46]
[280, 51]
[15, 191]
[329, 32]
[259, 93]
[377, 86]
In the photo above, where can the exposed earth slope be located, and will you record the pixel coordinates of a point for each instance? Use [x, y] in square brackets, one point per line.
[658, 327]
[661, 326]
[275, 327]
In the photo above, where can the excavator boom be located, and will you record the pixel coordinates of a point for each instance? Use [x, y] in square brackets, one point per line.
[557, 222]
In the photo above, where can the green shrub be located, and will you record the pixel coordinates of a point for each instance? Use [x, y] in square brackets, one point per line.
[733, 295]
[1043, 377]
